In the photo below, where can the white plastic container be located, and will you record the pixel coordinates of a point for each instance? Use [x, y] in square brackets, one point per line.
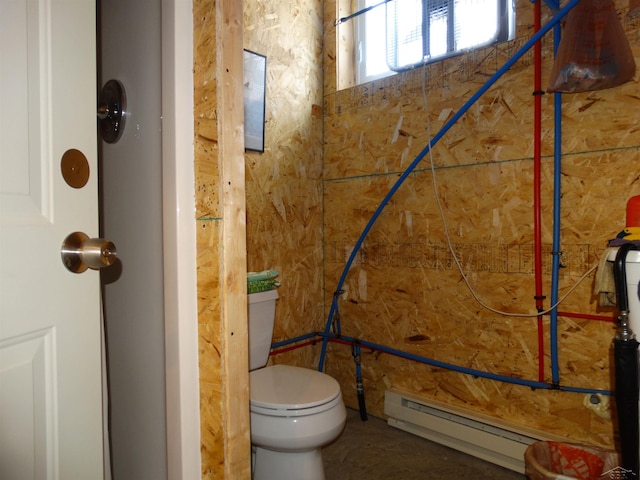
[633, 278]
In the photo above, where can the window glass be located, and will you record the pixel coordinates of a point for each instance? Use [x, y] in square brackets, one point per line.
[476, 22]
[371, 42]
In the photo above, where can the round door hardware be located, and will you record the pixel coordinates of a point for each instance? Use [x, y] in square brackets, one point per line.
[75, 168]
[79, 252]
[112, 103]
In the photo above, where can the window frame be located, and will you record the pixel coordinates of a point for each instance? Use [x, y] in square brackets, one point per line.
[505, 30]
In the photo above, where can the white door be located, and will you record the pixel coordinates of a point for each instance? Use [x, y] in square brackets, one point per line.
[50, 348]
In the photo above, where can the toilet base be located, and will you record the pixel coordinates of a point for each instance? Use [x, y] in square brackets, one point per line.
[270, 465]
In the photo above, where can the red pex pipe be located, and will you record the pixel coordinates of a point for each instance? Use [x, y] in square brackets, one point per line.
[293, 347]
[537, 204]
[309, 342]
[587, 316]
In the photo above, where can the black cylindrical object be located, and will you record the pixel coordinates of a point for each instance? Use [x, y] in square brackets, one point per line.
[626, 368]
[355, 351]
[620, 276]
[361, 403]
[626, 372]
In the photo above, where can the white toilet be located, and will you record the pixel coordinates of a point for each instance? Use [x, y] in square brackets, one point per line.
[294, 411]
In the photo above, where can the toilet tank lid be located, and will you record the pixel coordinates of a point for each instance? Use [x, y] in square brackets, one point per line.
[292, 388]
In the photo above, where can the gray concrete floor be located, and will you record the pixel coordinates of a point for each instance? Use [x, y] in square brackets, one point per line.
[374, 450]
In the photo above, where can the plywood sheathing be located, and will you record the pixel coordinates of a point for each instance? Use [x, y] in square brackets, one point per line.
[406, 274]
[404, 290]
[221, 252]
[284, 184]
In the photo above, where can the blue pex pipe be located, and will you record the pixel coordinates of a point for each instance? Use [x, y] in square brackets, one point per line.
[444, 365]
[489, 83]
[557, 200]
[293, 340]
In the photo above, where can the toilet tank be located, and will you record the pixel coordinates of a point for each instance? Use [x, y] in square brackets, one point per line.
[262, 311]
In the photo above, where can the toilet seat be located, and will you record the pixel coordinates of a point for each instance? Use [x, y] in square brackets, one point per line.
[288, 391]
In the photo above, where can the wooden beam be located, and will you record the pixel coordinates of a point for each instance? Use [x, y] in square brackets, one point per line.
[233, 264]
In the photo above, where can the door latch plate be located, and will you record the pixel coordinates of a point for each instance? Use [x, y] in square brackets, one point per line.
[112, 104]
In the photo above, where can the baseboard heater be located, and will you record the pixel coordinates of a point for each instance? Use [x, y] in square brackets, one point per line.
[494, 440]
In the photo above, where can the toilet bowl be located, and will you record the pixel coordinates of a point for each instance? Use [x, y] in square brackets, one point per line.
[295, 411]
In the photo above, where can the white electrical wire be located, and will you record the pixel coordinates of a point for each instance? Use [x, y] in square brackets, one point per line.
[448, 237]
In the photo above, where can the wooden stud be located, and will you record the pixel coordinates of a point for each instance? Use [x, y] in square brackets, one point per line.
[233, 266]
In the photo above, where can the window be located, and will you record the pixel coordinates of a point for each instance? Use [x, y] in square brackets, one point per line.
[424, 31]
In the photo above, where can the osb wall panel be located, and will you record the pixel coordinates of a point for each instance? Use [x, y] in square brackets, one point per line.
[404, 290]
[284, 184]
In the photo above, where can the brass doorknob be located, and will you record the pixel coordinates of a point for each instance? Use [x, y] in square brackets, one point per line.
[80, 252]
